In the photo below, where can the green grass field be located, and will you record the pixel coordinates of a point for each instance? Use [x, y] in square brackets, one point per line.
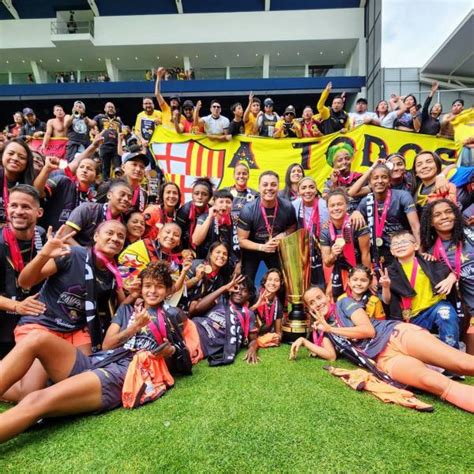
[278, 416]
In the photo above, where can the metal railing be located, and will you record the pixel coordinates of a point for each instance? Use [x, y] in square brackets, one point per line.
[72, 27]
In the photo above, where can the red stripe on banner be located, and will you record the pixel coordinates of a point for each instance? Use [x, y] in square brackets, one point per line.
[189, 157]
[210, 157]
[221, 164]
[168, 157]
[199, 161]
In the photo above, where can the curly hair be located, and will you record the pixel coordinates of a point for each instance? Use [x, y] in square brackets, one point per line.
[427, 231]
[160, 271]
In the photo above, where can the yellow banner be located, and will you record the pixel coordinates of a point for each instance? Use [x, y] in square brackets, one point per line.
[185, 157]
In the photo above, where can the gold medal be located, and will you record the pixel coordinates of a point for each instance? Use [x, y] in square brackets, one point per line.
[340, 241]
[152, 174]
[379, 241]
[406, 314]
[207, 269]
[186, 253]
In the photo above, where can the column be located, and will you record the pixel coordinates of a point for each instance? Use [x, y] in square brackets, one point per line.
[266, 66]
[186, 63]
[40, 75]
[227, 72]
[112, 70]
[306, 70]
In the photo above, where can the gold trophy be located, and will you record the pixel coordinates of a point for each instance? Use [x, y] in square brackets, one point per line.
[294, 257]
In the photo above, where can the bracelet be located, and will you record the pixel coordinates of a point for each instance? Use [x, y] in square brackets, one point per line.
[260, 247]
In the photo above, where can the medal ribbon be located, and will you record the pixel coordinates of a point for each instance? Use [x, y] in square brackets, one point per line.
[243, 318]
[314, 220]
[15, 252]
[348, 250]
[158, 328]
[406, 300]
[110, 265]
[440, 252]
[265, 218]
[380, 222]
[318, 336]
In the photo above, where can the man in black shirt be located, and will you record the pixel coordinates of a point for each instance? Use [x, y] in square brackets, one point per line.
[33, 127]
[20, 241]
[262, 223]
[108, 150]
[236, 126]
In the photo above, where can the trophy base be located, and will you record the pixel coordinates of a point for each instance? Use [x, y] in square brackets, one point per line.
[296, 325]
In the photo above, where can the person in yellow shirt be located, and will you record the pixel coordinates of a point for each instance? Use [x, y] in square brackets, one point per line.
[145, 124]
[419, 288]
[167, 111]
[288, 126]
[335, 118]
[251, 114]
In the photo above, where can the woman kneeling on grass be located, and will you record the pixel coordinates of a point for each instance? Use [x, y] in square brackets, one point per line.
[399, 349]
[93, 383]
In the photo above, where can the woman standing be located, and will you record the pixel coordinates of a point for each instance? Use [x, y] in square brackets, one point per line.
[294, 173]
[16, 168]
[311, 214]
[444, 235]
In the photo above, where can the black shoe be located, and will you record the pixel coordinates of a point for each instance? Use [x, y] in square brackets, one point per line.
[453, 376]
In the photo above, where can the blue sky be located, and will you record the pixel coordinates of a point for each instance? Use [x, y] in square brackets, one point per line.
[412, 30]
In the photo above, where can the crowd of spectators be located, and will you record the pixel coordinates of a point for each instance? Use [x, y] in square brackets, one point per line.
[130, 274]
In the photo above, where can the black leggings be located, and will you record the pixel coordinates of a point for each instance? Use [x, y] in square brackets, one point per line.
[251, 260]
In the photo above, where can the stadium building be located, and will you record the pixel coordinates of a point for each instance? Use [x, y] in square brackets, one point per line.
[272, 47]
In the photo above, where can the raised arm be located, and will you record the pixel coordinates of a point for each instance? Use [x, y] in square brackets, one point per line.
[161, 101]
[43, 265]
[51, 164]
[249, 106]
[48, 134]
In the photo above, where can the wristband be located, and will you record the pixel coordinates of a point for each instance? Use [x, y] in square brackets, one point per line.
[260, 247]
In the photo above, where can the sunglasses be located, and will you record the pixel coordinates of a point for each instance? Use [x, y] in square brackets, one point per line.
[216, 106]
[188, 108]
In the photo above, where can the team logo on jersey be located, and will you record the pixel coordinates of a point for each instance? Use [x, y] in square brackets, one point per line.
[182, 163]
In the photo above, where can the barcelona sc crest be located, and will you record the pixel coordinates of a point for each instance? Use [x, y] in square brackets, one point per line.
[183, 162]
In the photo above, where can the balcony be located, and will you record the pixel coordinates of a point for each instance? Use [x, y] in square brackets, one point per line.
[72, 32]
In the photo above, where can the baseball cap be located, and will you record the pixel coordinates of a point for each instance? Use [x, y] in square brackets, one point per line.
[268, 101]
[362, 101]
[290, 110]
[135, 156]
[28, 111]
[175, 97]
[188, 103]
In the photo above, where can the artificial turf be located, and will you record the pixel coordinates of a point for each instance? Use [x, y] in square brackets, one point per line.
[278, 416]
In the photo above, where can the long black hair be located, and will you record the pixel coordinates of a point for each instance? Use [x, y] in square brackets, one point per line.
[28, 175]
[162, 191]
[427, 231]
[286, 193]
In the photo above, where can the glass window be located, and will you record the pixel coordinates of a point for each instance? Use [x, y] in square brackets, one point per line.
[392, 74]
[409, 74]
[288, 71]
[246, 72]
[210, 73]
[391, 88]
[3, 78]
[410, 88]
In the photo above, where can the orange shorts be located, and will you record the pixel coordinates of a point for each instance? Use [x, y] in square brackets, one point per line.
[77, 338]
[396, 346]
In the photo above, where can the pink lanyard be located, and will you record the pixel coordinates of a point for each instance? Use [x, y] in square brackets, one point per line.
[348, 250]
[269, 314]
[314, 220]
[110, 266]
[439, 251]
[265, 218]
[380, 222]
[406, 301]
[5, 195]
[244, 320]
[158, 328]
[136, 195]
[319, 335]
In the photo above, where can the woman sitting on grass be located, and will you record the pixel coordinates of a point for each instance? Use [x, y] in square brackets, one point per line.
[227, 323]
[400, 349]
[84, 384]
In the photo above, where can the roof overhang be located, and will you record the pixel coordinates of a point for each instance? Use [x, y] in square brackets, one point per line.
[454, 59]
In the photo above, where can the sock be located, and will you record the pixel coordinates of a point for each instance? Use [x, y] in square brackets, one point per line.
[460, 395]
